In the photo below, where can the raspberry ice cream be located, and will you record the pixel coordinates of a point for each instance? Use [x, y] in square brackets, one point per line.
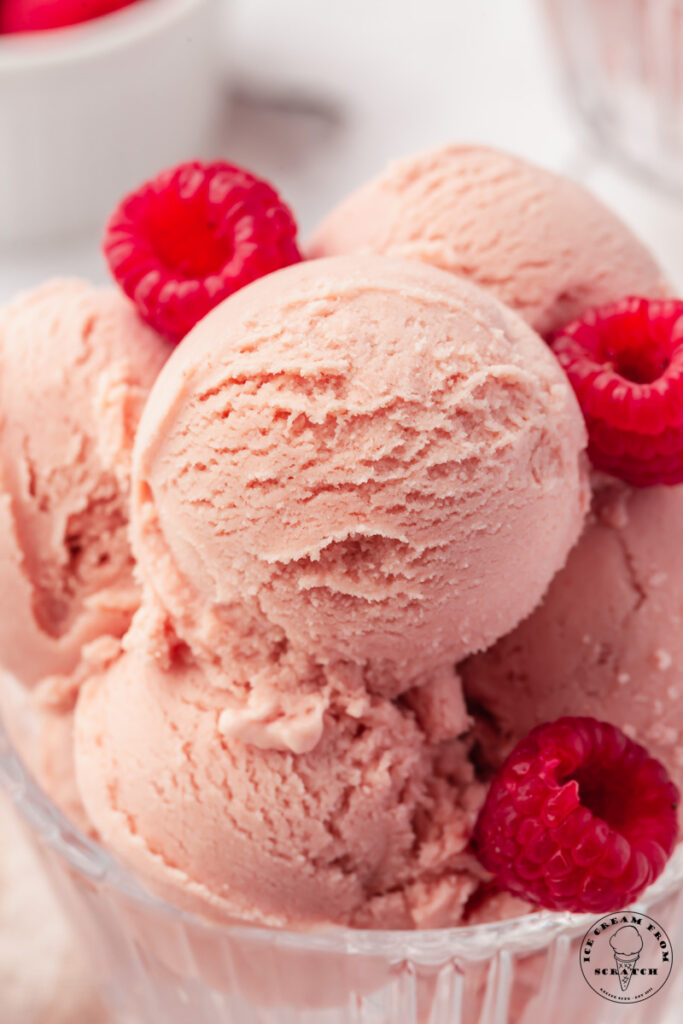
[76, 365]
[540, 242]
[331, 480]
[75, 368]
[370, 828]
[354, 476]
[606, 639]
[338, 477]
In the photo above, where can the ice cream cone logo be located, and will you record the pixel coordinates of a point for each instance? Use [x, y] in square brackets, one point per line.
[625, 965]
[626, 957]
[626, 944]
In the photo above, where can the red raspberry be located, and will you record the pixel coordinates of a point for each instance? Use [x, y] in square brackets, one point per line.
[625, 363]
[191, 237]
[579, 817]
[39, 15]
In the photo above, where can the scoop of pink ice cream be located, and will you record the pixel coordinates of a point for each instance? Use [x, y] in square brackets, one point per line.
[538, 241]
[370, 828]
[76, 364]
[607, 640]
[338, 480]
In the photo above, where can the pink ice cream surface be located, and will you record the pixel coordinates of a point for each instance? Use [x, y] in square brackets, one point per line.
[607, 640]
[370, 828]
[338, 480]
[538, 241]
[76, 365]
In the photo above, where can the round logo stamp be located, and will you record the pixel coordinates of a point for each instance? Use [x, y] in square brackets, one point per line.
[626, 957]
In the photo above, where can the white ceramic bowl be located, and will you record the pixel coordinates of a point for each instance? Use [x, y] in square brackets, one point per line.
[88, 112]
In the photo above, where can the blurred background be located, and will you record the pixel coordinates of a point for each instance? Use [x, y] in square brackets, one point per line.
[317, 96]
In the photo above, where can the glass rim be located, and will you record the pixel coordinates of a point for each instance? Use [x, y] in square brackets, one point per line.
[97, 865]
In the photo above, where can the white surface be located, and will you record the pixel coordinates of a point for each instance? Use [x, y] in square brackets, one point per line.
[329, 92]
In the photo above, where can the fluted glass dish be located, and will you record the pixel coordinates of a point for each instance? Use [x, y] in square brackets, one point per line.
[158, 965]
[622, 61]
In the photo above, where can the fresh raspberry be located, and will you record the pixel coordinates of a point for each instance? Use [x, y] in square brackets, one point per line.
[191, 237]
[579, 817]
[40, 15]
[625, 363]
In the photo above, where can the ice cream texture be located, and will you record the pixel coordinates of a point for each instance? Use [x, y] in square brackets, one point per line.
[357, 482]
[540, 242]
[337, 481]
[331, 480]
[606, 639]
[76, 365]
[370, 828]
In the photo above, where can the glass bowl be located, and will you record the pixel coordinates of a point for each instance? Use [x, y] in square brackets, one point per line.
[158, 965]
[622, 61]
